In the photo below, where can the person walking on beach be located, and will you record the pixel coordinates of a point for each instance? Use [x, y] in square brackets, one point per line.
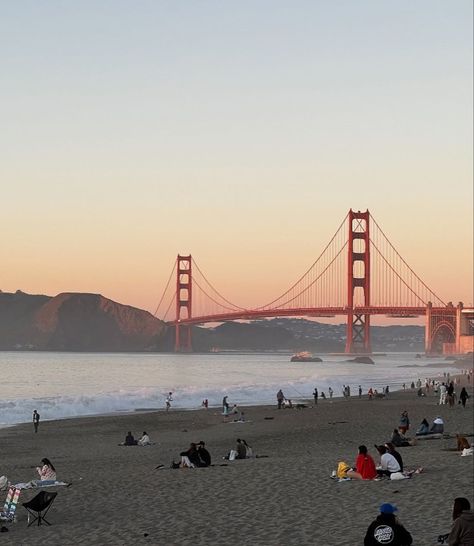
[463, 396]
[330, 391]
[169, 399]
[280, 398]
[225, 405]
[386, 529]
[315, 394]
[36, 420]
[360, 391]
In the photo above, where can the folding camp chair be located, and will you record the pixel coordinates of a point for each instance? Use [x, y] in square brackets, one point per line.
[9, 508]
[39, 506]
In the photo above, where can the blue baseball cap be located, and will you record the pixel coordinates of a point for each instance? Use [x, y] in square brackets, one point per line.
[388, 508]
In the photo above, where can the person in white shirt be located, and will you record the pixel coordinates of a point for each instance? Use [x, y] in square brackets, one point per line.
[144, 440]
[442, 394]
[388, 463]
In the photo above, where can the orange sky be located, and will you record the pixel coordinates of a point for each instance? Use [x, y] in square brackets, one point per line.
[236, 133]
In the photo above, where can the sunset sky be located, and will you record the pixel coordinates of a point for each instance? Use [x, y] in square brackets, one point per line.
[240, 132]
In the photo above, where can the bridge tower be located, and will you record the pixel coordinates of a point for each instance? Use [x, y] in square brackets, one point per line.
[358, 278]
[184, 298]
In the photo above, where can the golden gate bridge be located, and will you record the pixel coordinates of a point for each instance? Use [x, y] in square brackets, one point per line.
[358, 274]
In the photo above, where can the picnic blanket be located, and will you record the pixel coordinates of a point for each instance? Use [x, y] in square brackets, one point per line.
[36, 484]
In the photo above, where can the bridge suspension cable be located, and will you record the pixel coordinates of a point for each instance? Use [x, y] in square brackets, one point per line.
[404, 287]
[232, 307]
[308, 272]
[173, 270]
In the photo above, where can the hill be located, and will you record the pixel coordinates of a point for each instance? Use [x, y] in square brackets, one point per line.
[76, 322]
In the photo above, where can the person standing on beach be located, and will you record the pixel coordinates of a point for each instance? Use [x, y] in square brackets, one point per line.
[225, 405]
[360, 391]
[386, 529]
[169, 399]
[36, 420]
[330, 392]
[463, 397]
[404, 424]
[315, 394]
[280, 398]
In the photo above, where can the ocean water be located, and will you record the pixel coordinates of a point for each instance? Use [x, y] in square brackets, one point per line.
[61, 385]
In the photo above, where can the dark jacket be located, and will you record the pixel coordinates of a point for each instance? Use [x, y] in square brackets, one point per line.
[386, 530]
[204, 456]
[399, 459]
[462, 531]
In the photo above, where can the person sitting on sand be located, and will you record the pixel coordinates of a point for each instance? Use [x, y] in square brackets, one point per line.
[437, 427]
[248, 450]
[386, 529]
[190, 458]
[391, 449]
[144, 440]
[241, 449]
[400, 441]
[130, 440]
[204, 455]
[364, 466]
[46, 472]
[423, 429]
[388, 463]
[462, 531]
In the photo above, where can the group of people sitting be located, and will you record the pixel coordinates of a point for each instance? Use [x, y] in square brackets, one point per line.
[437, 427]
[241, 451]
[391, 465]
[130, 440]
[195, 456]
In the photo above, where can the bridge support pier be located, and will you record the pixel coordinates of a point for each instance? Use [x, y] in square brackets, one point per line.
[182, 342]
[358, 277]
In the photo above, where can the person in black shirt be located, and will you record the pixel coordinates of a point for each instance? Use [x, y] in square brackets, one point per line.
[391, 449]
[386, 529]
[36, 420]
[204, 455]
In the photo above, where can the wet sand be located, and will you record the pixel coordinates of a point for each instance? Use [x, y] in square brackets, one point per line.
[117, 497]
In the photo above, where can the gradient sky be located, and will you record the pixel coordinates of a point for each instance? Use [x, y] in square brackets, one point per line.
[240, 132]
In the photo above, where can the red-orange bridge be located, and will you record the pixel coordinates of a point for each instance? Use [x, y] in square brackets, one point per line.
[358, 274]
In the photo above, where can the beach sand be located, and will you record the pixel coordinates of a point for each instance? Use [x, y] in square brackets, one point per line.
[117, 497]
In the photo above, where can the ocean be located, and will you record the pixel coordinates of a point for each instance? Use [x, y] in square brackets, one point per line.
[62, 385]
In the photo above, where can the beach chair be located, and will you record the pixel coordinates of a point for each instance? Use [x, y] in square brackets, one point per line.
[9, 508]
[39, 506]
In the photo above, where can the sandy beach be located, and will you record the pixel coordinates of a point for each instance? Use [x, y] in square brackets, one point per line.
[287, 498]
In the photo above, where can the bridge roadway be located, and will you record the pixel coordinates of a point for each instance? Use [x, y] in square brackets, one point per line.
[251, 314]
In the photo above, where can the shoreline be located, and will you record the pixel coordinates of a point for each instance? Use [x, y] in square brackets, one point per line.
[296, 399]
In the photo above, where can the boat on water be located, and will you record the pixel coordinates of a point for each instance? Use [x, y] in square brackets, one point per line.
[305, 357]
